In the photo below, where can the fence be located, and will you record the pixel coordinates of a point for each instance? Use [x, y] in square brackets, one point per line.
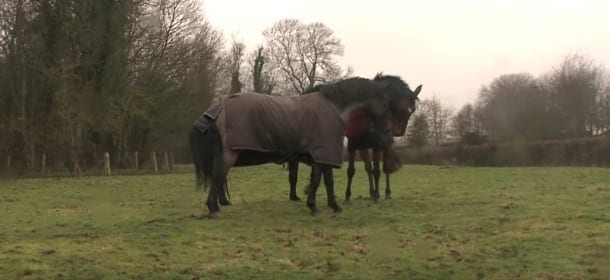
[153, 162]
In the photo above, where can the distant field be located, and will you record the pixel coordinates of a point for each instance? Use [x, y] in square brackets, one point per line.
[442, 223]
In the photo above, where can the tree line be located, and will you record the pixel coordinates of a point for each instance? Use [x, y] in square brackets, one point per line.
[79, 78]
[572, 100]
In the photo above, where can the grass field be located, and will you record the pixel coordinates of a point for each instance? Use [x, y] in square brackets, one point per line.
[442, 223]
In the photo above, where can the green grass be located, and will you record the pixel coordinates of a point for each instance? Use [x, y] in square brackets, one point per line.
[442, 223]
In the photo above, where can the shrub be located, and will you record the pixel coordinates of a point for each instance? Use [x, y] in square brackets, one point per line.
[594, 151]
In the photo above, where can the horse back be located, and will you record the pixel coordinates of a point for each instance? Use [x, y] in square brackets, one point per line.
[281, 125]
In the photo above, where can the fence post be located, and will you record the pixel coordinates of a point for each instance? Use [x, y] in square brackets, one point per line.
[43, 164]
[8, 162]
[135, 156]
[166, 158]
[153, 155]
[77, 170]
[107, 164]
[171, 161]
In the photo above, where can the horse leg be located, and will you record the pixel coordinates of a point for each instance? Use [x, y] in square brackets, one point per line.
[223, 160]
[327, 172]
[223, 198]
[314, 182]
[376, 172]
[388, 191]
[386, 171]
[229, 159]
[217, 184]
[351, 170]
[293, 171]
[222, 165]
[364, 154]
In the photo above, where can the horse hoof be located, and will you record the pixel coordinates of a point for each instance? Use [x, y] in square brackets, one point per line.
[198, 216]
[337, 209]
[348, 200]
[295, 198]
[213, 215]
[387, 196]
[225, 202]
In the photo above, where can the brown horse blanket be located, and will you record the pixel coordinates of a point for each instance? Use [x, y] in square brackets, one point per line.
[288, 125]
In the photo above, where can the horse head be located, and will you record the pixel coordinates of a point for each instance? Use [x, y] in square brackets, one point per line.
[387, 100]
[401, 102]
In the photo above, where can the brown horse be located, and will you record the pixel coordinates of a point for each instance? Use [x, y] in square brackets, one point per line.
[250, 129]
[360, 138]
[382, 149]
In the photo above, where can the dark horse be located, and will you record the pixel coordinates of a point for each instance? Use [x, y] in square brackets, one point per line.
[381, 145]
[382, 149]
[360, 138]
[249, 129]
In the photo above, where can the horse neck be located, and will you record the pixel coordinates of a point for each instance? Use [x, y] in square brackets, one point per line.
[352, 94]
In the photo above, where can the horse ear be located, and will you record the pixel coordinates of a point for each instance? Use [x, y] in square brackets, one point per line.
[417, 90]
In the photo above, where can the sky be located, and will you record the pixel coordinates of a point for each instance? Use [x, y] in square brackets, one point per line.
[453, 48]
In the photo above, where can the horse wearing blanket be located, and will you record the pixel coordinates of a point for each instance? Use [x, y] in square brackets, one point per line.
[248, 129]
[361, 138]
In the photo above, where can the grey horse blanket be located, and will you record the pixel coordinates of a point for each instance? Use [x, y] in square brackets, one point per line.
[287, 125]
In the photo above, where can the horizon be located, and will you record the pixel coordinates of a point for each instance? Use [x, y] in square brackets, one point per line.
[452, 48]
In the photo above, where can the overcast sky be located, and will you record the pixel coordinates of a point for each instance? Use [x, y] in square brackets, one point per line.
[452, 47]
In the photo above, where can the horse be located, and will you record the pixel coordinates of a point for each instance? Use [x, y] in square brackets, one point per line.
[361, 143]
[250, 128]
[382, 149]
[362, 139]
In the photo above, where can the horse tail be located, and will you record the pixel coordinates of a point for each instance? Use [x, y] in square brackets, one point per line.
[216, 165]
[391, 160]
[206, 147]
[197, 139]
[202, 143]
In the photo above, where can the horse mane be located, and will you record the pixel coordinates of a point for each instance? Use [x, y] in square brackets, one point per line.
[390, 78]
[362, 89]
[394, 81]
[347, 91]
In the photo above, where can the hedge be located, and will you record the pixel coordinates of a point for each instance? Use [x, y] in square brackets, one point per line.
[594, 151]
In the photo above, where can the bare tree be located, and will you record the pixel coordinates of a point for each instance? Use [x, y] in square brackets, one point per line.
[235, 60]
[514, 107]
[466, 125]
[419, 130]
[465, 121]
[19, 90]
[574, 88]
[184, 62]
[101, 75]
[304, 53]
[263, 80]
[602, 125]
[438, 118]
